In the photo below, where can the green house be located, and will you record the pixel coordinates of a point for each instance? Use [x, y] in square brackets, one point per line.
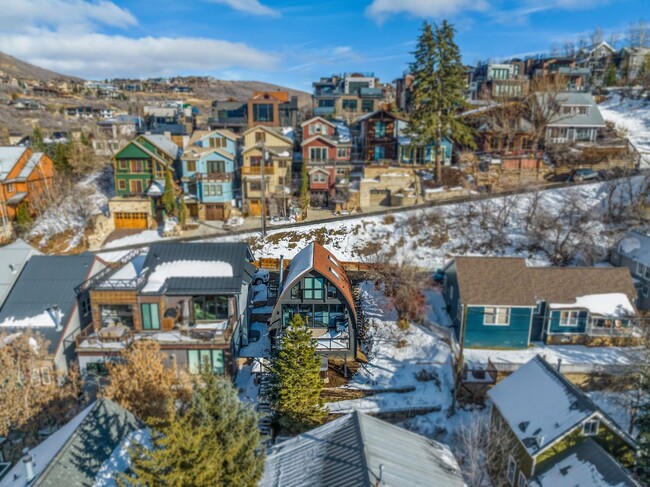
[500, 302]
[140, 166]
[541, 420]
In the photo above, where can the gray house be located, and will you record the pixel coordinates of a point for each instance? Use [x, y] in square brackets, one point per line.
[13, 258]
[633, 252]
[363, 451]
[576, 119]
[44, 300]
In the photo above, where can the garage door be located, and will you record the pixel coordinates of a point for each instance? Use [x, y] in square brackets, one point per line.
[214, 212]
[254, 208]
[130, 220]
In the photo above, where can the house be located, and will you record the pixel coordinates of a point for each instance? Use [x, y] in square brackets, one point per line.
[500, 81]
[208, 173]
[173, 118]
[633, 252]
[140, 168]
[378, 135]
[192, 298]
[408, 153]
[403, 87]
[598, 60]
[114, 133]
[90, 449]
[633, 62]
[230, 114]
[267, 151]
[577, 118]
[317, 287]
[360, 450]
[500, 302]
[90, 112]
[13, 258]
[44, 299]
[272, 109]
[25, 176]
[349, 95]
[554, 431]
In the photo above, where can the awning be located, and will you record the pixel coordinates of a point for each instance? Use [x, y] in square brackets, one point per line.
[16, 199]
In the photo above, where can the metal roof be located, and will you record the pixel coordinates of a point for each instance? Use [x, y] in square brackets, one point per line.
[13, 258]
[636, 246]
[8, 158]
[363, 451]
[164, 144]
[46, 281]
[573, 98]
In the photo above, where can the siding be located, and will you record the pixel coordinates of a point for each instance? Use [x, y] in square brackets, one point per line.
[555, 327]
[514, 335]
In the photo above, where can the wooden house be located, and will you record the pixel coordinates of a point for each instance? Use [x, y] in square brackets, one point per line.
[553, 433]
[500, 302]
[378, 135]
[192, 298]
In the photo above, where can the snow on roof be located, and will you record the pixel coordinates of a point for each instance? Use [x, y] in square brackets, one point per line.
[128, 271]
[287, 132]
[186, 268]
[45, 452]
[630, 244]
[610, 304]
[540, 405]
[636, 246]
[120, 461]
[46, 319]
[156, 188]
[301, 263]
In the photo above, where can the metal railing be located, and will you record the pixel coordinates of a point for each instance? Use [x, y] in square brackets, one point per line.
[107, 271]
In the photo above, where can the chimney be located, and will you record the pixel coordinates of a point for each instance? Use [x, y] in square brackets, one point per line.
[56, 315]
[281, 270]
[28, 462]
[559, 364]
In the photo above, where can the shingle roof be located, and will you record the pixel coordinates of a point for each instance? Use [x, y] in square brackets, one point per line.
[237, 254]
[586, 463]
[508, 281]
[46, 281]
[74, 454]
[13, 258]
[540, 405]
[363, 451]
[593, 119]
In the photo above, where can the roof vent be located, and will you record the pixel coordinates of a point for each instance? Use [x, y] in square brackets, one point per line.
[28, 463]
[539, 439]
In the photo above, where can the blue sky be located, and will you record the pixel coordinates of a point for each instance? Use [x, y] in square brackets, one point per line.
[282, 41]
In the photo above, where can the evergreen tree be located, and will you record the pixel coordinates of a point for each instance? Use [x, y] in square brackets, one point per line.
[610, 80]
[36, 141]
[61, 160]
[23, 217]
[438, 92]
[182, 212]
[169, 198]
[296, 383]
[304, 187]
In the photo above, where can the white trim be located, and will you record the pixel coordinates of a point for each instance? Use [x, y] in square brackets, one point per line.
[511, 461]
[496, 314]
[522, 481]
[571, 313]
[591, 421]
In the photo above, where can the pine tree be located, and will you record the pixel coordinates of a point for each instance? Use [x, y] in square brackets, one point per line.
[182, 212]
[169, 198]
[438, 92]
[304, 187]
[61, 159]
[610, 80]
[296, 383]
[216, 442]
[23, 217]
[36, 141]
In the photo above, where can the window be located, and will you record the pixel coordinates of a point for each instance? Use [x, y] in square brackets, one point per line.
[122, 165]
[496, 316]
[36, 378]
[116, 314]
[569, 318]
[341, 152]
[282, 164]
[318, 153]
[191, 166]
[212, 190]
[380, 129]
[319, 177]
[522, 482]
[46, 376]
[512, 469]
[340, 171]
[217, 142]
[645, 290]
[10, 188]
[255, 186]
[367, 106]
[379, 153]
[314, 288]
[216, 167]
[85, 306]
[150, 318]
[590, 428]
[351, 105]
[260, 137]
[121, 184]
[137, 166]
[295, 292]
[263, 112]
[213, 358]
[640, 269]
[210, 308]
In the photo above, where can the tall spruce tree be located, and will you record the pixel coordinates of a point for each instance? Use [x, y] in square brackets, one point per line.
[610, 79]
[438, 92]
[296, 384]
[304, 188]
[216, 442]
[169, 198]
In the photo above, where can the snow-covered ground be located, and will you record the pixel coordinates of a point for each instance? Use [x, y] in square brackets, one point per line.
[633, 115]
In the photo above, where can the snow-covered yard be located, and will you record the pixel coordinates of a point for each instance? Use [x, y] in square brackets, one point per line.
[633, 115]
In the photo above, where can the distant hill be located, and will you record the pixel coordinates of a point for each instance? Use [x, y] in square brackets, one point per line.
[11, 66]
[242, 90]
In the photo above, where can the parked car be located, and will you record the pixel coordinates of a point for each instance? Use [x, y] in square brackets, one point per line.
[579, 175]
[261, 277]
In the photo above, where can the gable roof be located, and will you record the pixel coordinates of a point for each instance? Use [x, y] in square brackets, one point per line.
[197, 267]
[76, 453]
[275, 131]
[316, 257]
[202, 134]
[586, 463]
[360, 450]
[593, 119]
[9, 156]
[195, 152]
[28, 168]
[13, 258]
[508, 281]
[47, 281]
[635, 245]
[164, 144]
[541, 406]
[313, 119]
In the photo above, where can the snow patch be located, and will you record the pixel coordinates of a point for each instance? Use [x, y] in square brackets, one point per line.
[186, 268]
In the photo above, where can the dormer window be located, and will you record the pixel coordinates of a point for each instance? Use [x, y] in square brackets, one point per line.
[590, 428]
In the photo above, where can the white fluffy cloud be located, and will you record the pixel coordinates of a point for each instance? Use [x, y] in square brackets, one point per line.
[382, 9]
[249, 6]
[68, 36]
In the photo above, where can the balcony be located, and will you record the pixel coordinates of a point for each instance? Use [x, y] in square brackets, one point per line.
[257, 170]
[321, 111]
[212, 176]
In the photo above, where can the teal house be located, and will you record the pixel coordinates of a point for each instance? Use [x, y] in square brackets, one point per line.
[500, 302]
[209, 174]
[409, 153]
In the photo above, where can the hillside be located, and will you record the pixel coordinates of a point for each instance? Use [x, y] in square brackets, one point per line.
[242, 90]
[11, 66]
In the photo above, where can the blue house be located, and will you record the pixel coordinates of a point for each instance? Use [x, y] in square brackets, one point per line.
[410, 154]
[500, 302]
[208, 174]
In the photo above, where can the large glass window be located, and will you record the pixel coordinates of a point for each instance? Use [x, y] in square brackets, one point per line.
[350, 105]
[367, 106]
[197, 358]
[496, 316]
[314, 288]
[380, 129]
[321, 315]
[210, 308]
[263, 112]
[150, 318]
[117, 314]
[569, 318]
[216, 166]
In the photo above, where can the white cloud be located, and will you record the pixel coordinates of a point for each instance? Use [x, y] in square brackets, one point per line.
[249, 6]
[62, 15]
[380, 10]
[105, 56]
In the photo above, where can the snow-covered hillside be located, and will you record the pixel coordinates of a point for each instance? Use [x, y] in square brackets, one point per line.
[633, 115]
